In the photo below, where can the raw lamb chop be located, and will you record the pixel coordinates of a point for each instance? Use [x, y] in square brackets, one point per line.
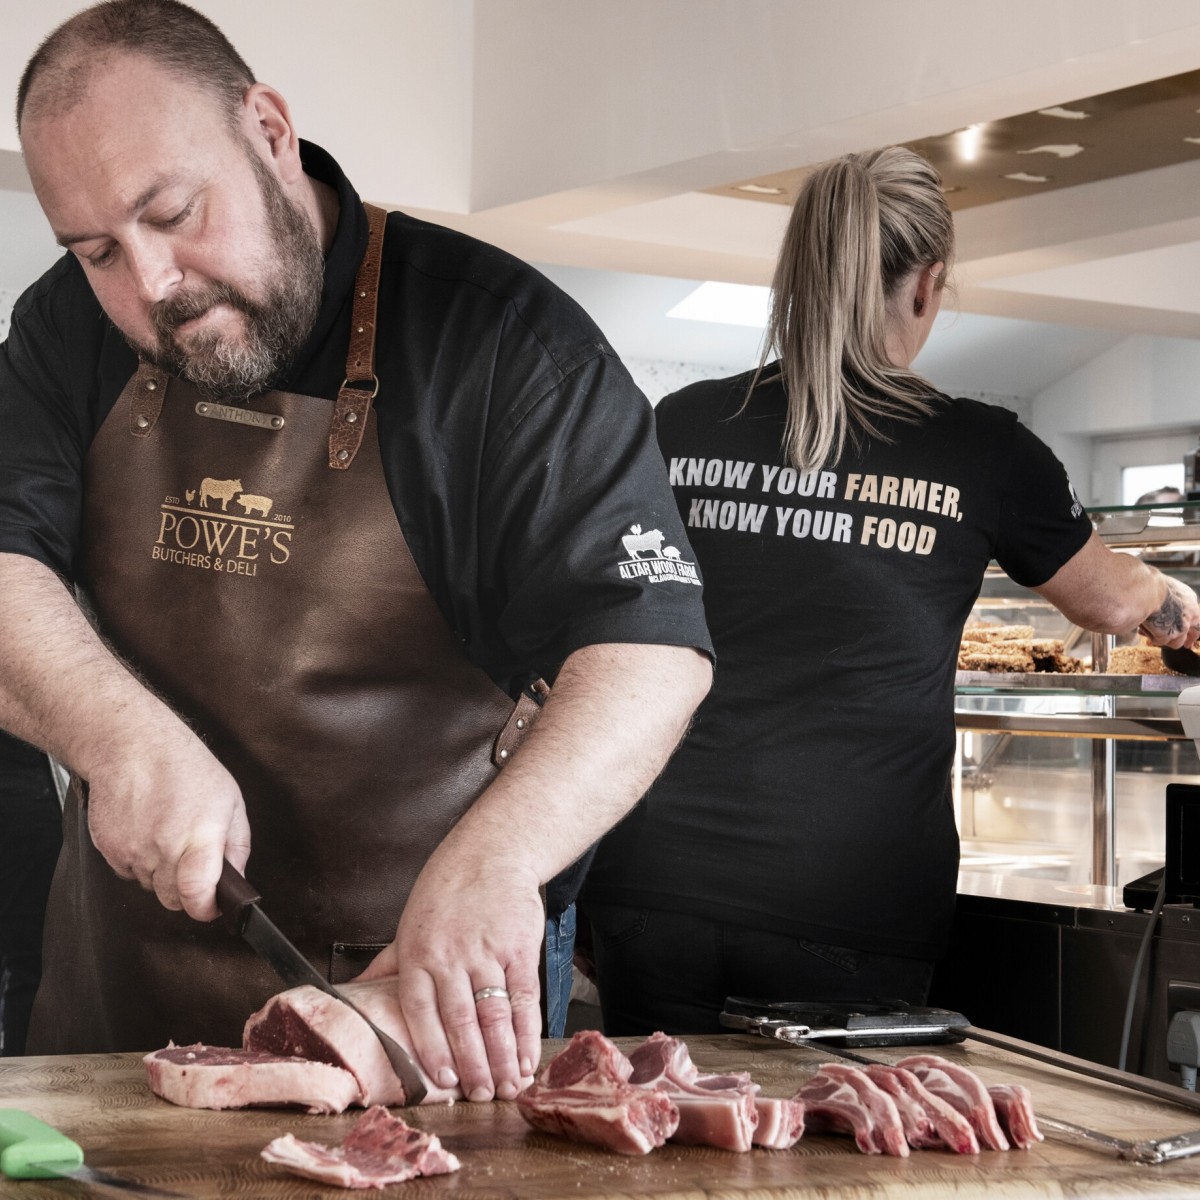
[962, 1089]
[714, 1110]
[914, 1119]
[944, 1125]
[780, 1122]
[379, 1149]
[842, 1099]
[1014, 1107]
[214, 1077]
[582, 1093]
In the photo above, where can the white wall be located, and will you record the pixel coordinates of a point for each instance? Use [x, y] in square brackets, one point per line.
[1140, 385]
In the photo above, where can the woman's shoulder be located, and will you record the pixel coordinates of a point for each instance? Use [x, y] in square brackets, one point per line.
[964, 411]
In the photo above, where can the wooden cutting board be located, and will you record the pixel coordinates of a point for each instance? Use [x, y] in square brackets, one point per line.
[102, 1101]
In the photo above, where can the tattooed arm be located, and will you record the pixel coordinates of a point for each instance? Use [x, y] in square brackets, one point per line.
[1109, 592]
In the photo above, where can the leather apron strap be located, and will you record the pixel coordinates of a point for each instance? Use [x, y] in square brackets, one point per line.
[361, 384]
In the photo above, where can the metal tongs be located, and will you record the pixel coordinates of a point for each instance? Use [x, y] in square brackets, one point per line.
[882, 1024]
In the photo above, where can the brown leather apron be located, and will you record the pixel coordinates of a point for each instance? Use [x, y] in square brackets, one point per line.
[249, 563]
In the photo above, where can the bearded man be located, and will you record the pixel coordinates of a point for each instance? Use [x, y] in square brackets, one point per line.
[331, 491]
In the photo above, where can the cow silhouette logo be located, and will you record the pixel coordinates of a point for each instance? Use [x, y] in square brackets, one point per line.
[219, 489]
[635, 542]
[649, 561]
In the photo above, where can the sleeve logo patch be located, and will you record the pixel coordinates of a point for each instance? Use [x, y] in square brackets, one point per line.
[650, 560]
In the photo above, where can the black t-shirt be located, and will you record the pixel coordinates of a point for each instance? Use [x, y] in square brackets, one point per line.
[812, 796]
[518, 452]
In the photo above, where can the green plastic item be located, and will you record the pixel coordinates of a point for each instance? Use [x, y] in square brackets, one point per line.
[26, 1143]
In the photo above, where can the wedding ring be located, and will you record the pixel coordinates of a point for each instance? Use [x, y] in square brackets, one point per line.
[488, 992]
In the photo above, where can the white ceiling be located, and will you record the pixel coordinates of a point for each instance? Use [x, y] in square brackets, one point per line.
[581, 134]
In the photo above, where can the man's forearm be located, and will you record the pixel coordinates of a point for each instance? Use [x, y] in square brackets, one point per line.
[60, 687]
[615, 715]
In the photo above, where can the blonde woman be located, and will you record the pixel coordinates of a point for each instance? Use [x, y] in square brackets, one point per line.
[801, 844]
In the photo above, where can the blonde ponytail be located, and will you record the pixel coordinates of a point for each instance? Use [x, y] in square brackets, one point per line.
[860, 225]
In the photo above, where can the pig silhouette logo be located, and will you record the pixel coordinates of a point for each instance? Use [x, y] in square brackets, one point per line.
[261, 504]
[670, 552]
[636, 542]
[219, 489]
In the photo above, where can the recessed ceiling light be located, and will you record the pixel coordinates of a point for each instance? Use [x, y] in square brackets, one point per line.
[1025, 177]
[726, 304]
[1194, 141]
[758, 189]
[969, 141]
[1065, 151]
[1065, 114]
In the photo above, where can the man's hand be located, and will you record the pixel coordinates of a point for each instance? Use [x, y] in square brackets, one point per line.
[461, 933]
[168, 817]
[1176, 622]
[474, 919]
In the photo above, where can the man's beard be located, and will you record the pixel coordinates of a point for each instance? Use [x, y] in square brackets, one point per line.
[274, 328]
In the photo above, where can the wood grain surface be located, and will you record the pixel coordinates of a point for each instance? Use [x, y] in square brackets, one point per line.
[103, 1102]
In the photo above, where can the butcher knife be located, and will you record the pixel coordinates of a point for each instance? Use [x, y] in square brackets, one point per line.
[31, 1149]
[239, 903]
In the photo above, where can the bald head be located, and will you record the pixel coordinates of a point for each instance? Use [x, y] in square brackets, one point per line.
[172, 35]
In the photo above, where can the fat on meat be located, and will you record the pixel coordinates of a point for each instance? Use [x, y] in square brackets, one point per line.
[379, 1150]
[583, 1094]
[305, 1022]
[780, 1122]
[943, 1124]
[714, 1110]
[964, 1090]
[1014, 1107]
[842, 1099]
[200, 1076]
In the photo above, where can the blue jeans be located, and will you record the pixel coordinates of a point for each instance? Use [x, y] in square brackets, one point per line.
[560, 951]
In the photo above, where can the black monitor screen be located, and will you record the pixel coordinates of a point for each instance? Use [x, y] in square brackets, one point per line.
[1183, 842]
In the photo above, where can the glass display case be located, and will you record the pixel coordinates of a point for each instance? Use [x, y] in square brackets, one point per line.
[1062, 775]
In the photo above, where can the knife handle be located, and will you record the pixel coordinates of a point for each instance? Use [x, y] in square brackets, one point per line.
[234, 896]
[26, 1143]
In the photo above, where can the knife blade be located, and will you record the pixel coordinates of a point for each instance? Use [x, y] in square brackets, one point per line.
[239, 902]
[31, 1149]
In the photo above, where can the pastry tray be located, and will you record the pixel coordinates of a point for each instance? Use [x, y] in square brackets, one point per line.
[1050, 681]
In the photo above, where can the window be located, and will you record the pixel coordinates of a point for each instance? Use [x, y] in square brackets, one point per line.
[1137, 482]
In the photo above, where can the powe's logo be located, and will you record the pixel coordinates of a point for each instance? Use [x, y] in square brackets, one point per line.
[202, 530]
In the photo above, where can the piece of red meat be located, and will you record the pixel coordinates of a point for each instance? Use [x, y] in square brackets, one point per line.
[582, 1094]
[202, 1076]
[589, 1058]
[306, 1022]
[379, 1150]
[964, 1090]
[946, 1125]
[714, 1110]
[300, 1048]
[842, 1099]
[629, 1120]
[1014, 1107]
